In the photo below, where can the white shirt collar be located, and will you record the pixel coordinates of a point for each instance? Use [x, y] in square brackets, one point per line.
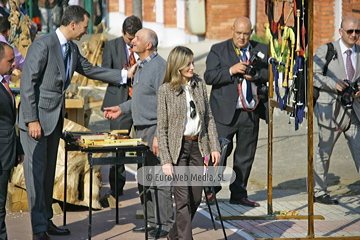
[61, 37]
[343, 48]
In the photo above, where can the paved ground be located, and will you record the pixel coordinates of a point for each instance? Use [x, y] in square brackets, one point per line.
[289, 183]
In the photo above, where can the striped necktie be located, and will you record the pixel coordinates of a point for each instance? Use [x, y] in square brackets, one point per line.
[349, 67]
[249, 96]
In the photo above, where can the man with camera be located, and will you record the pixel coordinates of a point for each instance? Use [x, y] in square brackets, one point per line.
[237, 68]
[338, 99]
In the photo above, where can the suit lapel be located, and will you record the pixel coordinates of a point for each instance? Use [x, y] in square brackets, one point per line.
[8, 98]
[357, 69]
[58, 55]
[340, 60]
[234, 58]
[73, 59]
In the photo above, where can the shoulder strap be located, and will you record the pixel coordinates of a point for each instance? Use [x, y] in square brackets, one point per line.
[330, 55]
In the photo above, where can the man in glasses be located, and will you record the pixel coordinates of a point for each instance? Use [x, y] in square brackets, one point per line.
[234, 101]
[341, 79]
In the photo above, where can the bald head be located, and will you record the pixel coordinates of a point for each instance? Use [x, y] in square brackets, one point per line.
[349, 31]
[145, 42]
[241, 32]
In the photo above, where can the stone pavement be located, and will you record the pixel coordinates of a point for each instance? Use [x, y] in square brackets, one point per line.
[289, 191]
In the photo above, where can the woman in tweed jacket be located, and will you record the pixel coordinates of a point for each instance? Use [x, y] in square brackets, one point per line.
[186, 132]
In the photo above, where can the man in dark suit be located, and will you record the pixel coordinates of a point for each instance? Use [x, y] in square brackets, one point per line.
[117, 55]
[50, 64]
[235, 101]
[10, 148]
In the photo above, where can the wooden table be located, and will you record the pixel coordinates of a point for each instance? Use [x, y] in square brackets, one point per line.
[119, 159]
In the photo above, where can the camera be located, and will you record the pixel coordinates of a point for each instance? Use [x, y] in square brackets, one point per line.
[251, 69]
[347, 94]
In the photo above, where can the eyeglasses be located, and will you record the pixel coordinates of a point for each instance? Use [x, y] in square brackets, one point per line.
[193, 112]
[350, 31]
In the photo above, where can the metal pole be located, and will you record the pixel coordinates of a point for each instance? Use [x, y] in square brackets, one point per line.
[30, 13]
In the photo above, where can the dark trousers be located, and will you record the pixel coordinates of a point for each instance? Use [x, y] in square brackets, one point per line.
[39, 170]
[187, 198]
[124, 122]
[4, 178]
[159, 201]
[245, 125]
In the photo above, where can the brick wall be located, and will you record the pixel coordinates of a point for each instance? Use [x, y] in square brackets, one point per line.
[149, 14]
[170, 13]
[128, 8]
[220, 16]
[112, 5]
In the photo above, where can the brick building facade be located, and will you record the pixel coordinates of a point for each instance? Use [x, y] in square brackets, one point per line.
[170, 18]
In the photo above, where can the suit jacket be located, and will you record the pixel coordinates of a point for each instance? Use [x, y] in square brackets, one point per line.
[224, 93]
[172, 117]
[10, 146]
[327, 84]
[114, 57]
[42, 82]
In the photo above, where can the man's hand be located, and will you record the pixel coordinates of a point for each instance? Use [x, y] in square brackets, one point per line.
[215, 157]
[131, 71]
[155, 146]
[168, 169]
[20, 158]
[240, 68]
[34, 129]
[112, 112]
[341, 85]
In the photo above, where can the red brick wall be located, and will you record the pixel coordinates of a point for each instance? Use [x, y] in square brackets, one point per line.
[128, 8]
[149, 14]
[220, 16]
[170, 14]
[112, 5]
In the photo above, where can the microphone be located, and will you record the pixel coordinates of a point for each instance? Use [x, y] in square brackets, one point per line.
[273, 61]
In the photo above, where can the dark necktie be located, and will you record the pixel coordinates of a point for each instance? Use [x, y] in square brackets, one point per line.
[6, 84]
[66, 54]
[249, 96]
[349, 67]
[132, 61]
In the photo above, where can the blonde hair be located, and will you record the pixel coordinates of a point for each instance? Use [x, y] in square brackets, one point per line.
[178, 59]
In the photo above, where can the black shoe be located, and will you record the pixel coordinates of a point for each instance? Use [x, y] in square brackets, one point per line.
[158, 233]
[41, 236]
[142, 229]
[326, 199]
[52, 229]
[112, 193]
[244, 201]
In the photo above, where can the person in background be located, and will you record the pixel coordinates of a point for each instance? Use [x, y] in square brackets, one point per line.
[118, 54]
[46, 7]
[234, 100]
[185, 139]
[4, 34]
[10, 149]
[143, 107]
[345, 66]
[4, 11]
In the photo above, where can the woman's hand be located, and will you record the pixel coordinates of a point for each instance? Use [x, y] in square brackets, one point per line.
[215, 157]
[168, 169]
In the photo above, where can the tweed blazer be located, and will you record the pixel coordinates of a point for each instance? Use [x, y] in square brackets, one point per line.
[172, 118]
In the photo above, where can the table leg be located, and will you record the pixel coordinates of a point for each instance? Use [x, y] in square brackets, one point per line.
[90, 197]
[143, 154]
[65, 186]
[116, 192]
